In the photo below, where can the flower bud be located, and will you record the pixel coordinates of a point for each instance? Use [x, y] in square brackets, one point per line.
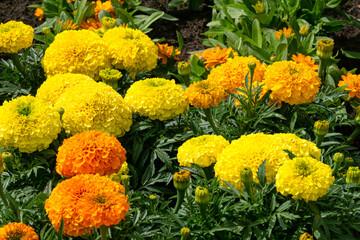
[306, 236]
[353, 175]
[110, 77]
[202, 195]
[46, 30]
[357, 116]
[321, 127]
[273, 58]
[246, 175]
[324, 48]
[7, 157]
[107, 23]
[61, 111]
[259, 7]
[338, 157]
[304, 31]
[115, 177]
[349, 161]
[252, 66]
[185, 233]
[152, 197]
[124, 169]
[125, 179]
[184, 68]
[182, 179]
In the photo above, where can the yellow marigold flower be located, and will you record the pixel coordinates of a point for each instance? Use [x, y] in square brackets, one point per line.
[131, 49]
[39, 13]
[107, 6]
[251, 150]
[28, 124]
[52, 89]
[259, 7]
[156, 98]
[231, 75]
[204, 94]
[182, 178]
[90, 152]
[91, 24]
[353, 82]
[288, 33]
[202, 151]
[14, 231]
[165, 52]
[306, 236]
[300, 58]
[216, 56]
[68, 25]
[76, 52]
[304, 178]
[94, 106]
[15, 36]
[291, 82]
[86, 201]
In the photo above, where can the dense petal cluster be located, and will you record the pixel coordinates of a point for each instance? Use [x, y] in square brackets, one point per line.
[90, 152]
[90, 24]
[28, 124]
[353, 82]
[156, 98]
[231, 75]
[291, 82]
[86, 201]
[251, 150]
[94, 106]
[14, 231]
[51, 90]
[287, 32]
[301, 58]
[165, 52]
[15, 36]
[131, 49]
[204, 94]
[202, 151]
[217, 55]
[304, 178]
[76, 52]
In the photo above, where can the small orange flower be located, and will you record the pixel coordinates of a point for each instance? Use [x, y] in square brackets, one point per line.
[91, 24]
[286, 31]
[216, 56]
[353, 82]
[104, 6]
[17, 231]
[300, 58]
[68, 25]
[165, 52]
[39, 13]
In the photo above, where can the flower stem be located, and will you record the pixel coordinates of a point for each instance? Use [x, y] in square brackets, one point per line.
[179, 200]
[203, 209]
[16, 61]
[318, 140]
[2, 194]
[322, 68]
[210, 119]
[354, 134]
[103, 230]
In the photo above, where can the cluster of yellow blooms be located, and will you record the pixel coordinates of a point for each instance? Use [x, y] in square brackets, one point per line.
[304, 178]
[90, 152]
[15, 36]
[17, 231]
[156, 98]
[86, 201]
[28, 124]
[251, 150]
[202, 151]
[131, 49]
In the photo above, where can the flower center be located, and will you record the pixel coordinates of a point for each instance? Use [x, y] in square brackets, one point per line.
[16, 235]
[303, 168]
[24, 110]
[156, 84]
[100, 199]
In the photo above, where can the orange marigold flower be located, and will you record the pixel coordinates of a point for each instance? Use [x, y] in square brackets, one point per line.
[288, 32]
[90, 152]
[91, 24]
[19, 230]
[353, 82]
[86, 201]
[204, 94]
[216, 56]
[166, 52]
[39, 13]
[301, 58]
[104, 6]
[68, 25]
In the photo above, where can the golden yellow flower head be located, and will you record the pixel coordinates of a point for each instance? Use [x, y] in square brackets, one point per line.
[259, 7]
[321, 127]
[107, 6]
[324, 48]
[165, 52]
[217, 55]
[353, 175]
[251, 150]
[304, 30]
[156, 98]
[76, 52]
[304, 178]
[94, 106]
[231, 75]
[52, 89]
[306, 236]
[287, 32]
[131, 49]
[301, 58]
[353, 84]
[14, 231]
[15, 36]
[202, 151]
[39, 13]
[291, 82]
[28, 124]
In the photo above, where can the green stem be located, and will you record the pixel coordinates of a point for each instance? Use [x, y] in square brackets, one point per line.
[354, 134]
[249, 190]
[210, 119]
[2, 194]
[318, 140]
[16, 61]
[322, 68]
[336, 168]
[179, 200]
[187, 80]
[103, 230]
[203, 209]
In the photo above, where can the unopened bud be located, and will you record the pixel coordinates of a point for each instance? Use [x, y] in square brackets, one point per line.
[46, 30]
[353, 175]
[357, 116]
[304, 31]
[107, 23]
[338, 157]
[321, 127]
[184, 68]
[182, 179]
[61, 111]
[246, 175]
[152, 197]
[185, 233]
[202, 195]
[324, 48]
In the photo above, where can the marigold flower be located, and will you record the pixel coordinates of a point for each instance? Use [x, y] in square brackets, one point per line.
[216, 56]
[90, 152]
[94, 106]
[13, 231]
[304, 178]
[165, 52]
[251, 150]
[353, 82]
[91, 24]
[68, 25]
[86, 201]
[288, 33]
[202, 151]
[131, 49]
[231, 75]
[76, 52]
[107, 6]
[306, 236]
[300, 58]
[182, 179]
[156, 98]
[39, 13]
[28, 124]
[15, 36]
[52, 89]
[291, 82]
